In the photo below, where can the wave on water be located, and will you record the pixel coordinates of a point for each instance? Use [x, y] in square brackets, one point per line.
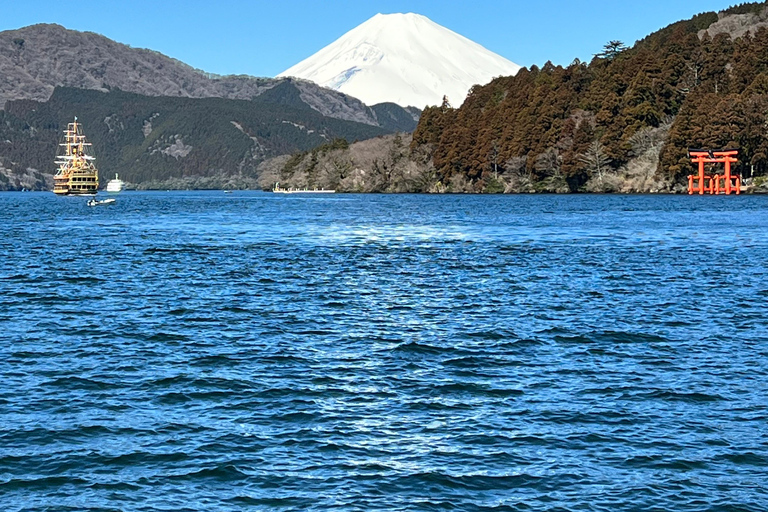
[388, 352]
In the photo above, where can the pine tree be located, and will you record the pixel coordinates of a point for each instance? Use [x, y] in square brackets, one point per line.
[612, 49]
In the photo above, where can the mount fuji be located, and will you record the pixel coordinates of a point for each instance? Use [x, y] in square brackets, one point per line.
[402, 58]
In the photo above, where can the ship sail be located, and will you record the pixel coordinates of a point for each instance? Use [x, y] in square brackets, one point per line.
[76, 173]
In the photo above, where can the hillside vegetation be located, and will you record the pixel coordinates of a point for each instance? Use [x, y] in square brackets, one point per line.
[181, 127]
[621, 123]
[36, 59]
[383, 164]
[165, 142]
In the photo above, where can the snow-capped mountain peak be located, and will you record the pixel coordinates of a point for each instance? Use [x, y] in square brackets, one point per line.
[402, 58]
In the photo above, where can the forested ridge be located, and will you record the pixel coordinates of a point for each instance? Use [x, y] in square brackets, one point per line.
[157, 121]
[622, 122]
[165, 142]
[36, 59]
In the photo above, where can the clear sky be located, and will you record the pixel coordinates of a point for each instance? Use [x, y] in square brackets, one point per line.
[265, 37]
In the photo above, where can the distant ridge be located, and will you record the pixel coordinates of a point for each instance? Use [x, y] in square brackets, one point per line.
[140, 106]
[37, 58]
[405, 59]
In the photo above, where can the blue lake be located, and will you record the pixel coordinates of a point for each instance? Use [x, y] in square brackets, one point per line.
[202, 351]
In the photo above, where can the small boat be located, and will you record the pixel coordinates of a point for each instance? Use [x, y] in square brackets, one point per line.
[278, 190]
[76, 174]
[116, 185]
[94, 202]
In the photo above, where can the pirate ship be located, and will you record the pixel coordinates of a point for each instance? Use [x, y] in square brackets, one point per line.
[76, 173]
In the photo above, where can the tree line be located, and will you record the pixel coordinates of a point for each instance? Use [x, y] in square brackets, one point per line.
[164, 142]
[576, 127]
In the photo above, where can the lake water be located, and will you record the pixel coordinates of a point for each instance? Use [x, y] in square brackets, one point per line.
[202, 351]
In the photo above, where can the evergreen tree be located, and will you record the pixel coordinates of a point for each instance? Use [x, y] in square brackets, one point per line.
[612, 49]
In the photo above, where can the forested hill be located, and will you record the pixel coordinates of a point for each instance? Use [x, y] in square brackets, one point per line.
[622, 122]
[165, 142]
[157, 121]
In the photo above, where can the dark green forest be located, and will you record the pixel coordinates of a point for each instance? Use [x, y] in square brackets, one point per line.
[563, 126]
[162, 141]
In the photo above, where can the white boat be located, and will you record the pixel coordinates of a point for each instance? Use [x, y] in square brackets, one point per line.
[116, 185]
[94, 202]
[278, 190]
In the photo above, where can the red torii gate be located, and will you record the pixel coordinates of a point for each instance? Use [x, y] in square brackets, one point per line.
[714, 183]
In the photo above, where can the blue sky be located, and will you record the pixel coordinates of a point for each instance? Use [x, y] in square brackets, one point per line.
[263, 38]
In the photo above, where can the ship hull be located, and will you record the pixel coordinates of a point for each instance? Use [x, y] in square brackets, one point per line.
[75, 193]
[64, 187]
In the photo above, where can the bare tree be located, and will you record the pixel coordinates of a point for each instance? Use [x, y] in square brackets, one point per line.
[493, 157]
[595, 160]
[650, 137]
[516, 167]
[691, 79]
[549, 162]
[515, 175]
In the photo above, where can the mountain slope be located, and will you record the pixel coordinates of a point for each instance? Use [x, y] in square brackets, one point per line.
[586, 126]
[35, 59]
[165, 142]
[405, 59]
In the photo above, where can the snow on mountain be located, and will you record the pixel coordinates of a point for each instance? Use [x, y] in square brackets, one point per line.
[402, 58]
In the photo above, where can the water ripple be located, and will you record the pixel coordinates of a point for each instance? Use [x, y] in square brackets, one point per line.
[202, 351]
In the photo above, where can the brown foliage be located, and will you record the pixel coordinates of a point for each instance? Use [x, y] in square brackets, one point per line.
[715, 90]
[383, 164]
